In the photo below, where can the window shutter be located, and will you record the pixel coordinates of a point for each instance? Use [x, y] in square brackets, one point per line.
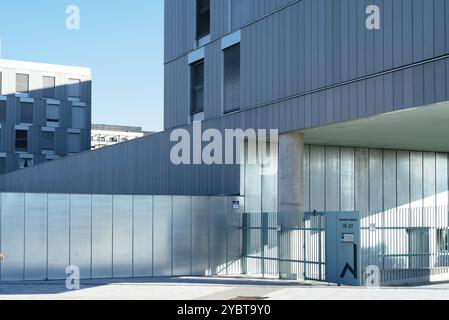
[232, 78]
[49, 87]
[48, 140]
[26, 112]
[74, 88]
[22, 83]
[197, 88]
[240, 10]
[74, 143]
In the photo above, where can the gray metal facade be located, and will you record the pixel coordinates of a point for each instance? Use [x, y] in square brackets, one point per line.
[60, 115]
[304, 64]
[118, 236]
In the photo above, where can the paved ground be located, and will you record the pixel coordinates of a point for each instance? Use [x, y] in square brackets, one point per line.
[213, 289]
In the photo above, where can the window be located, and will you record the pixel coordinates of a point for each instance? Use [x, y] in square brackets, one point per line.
[22, 83]
[232, 78]
[74, 88]
[202, 18]
[2, 165]
[197, 88]
[49, 84]
[26, 112]
[240, 13]
[74, 143]
[25, 163]
[442, 240]
[78, 118]
[52, 116]
[48, 141]
[2, 111]
[21, 140]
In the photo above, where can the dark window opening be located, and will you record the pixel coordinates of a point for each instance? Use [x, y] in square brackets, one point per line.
[197, 88]
[2, 111]
[202, 18]
[21, 140]
[232, 78]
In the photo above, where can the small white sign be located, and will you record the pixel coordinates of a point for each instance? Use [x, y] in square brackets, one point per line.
[372, 227]
[235, 205]
[347, 237]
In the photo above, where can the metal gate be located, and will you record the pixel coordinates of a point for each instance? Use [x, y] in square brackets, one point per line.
[285, 246]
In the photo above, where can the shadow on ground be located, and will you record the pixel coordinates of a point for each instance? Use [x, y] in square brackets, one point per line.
[58, 287]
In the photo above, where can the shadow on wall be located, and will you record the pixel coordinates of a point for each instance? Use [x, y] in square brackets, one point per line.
[45, 124]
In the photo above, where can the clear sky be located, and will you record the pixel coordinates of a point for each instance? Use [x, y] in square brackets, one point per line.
[122, 41]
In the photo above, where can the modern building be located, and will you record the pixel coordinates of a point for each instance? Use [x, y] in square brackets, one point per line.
[104, 135]
[362, 115]
[45, 112]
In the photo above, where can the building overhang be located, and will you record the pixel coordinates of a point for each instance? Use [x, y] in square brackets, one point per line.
[424, 128]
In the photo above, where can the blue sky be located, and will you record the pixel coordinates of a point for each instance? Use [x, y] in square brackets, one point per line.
[122, 41]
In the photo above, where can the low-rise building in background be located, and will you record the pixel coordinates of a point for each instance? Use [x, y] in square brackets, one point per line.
[103, 135]
[45, 112]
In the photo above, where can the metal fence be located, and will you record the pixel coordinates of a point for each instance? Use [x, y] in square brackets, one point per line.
[404, 244]
[116, 236]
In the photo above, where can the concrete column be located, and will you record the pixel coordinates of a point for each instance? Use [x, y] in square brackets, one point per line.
[291, 173]
[291, 202]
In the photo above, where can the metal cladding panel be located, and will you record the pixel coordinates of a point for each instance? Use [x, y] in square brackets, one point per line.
[361, 179]
[182, 237]
[403, 177]
[122, 236]
[162, 243]
[332, 179]
[143, 236]
[306, 178]
[416, 179]
[101, 236]
[200, 236]
[390, 180]
[376, 179]
[80, 233]
[58, 235]
[347, 179]
[317, 171]
[35, 237]
[218, 231]
[12, 236]
[442, 186]
[429, 179]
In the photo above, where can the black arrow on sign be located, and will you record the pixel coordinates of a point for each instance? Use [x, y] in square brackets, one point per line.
[348, 266]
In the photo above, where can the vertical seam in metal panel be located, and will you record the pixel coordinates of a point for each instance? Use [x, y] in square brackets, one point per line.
[152, 236]
[91, 237]
[112, 242]
[70, 227]
[24, 235]
[47, 243]
[191, 235]
[172, 236]
[1, 214]
[132, 236]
